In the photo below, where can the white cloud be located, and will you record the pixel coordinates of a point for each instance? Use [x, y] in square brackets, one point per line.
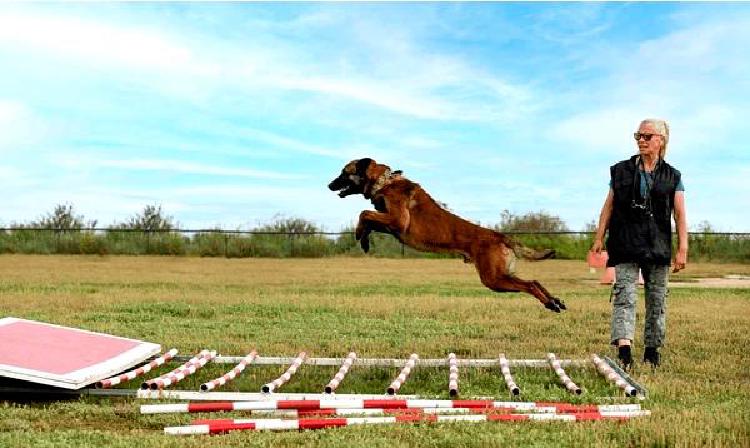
[99, 43]
[11, 114]
[605, 130]
[696, 77]
[174, 166]
[397, 76]
[16, 124]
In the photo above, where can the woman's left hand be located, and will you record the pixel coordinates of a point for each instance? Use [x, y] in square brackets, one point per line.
[680, 260]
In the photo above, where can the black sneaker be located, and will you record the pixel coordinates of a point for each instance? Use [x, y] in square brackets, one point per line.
[625, 356]
[651, 354]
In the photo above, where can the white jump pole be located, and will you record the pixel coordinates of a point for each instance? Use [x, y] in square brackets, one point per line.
[614, 377]
[339, 377]
[399, 363]
[505, 369]
[453, 375]
[223, 426]
[127, 376]
[275, 384]
[229, 376]
[195, 363]
[401, 378]
[564, 378]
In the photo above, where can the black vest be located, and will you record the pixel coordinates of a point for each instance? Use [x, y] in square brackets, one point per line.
[640, 229]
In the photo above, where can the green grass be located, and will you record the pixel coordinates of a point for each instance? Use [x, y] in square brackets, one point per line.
[381, 308]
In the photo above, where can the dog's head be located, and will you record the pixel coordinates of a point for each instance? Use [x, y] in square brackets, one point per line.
[353, 178]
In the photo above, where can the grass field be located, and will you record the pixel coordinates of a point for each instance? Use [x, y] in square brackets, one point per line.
[382, 308]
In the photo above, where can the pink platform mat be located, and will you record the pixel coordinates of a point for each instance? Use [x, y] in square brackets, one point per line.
[65, 357]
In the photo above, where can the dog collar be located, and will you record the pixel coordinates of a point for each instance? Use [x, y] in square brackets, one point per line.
[383, 180]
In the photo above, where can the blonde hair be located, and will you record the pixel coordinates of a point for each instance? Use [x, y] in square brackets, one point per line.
[662, 128]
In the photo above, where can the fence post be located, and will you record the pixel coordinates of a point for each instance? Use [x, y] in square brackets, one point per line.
[226, 242]
[148, 241]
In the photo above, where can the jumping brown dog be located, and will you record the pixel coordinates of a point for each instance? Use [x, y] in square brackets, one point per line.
[407, 212]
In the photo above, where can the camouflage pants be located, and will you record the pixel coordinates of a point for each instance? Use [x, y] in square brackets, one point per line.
[624, 294]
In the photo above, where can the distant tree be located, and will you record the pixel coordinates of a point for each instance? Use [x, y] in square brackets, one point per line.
[705, 227]
[152, 218]
[63, 217]
[530, 222]
[289, 225]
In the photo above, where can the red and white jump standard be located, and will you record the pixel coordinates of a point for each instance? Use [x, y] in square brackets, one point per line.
[194, 364]
[453, 375]
[505, 369]
[127, 376]
[229, 376]
[564, 378]
[339, 377]
[273, 385]
[401, 378]
[610, 373]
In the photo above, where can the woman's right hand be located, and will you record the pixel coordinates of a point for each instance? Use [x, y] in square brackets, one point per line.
[598, 246]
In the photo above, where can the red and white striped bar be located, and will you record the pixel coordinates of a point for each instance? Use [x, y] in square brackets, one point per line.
[339, 377]
[307, 413]
[229, 376]
[564, 378]
[222, 426]
[275, 384]
[182, 372]
[608, 372]
[132, 374]
[505, 369]
[310, 405]
[453, 375]
[401, 378]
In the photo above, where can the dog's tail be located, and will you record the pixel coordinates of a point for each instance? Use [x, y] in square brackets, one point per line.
[530, 254]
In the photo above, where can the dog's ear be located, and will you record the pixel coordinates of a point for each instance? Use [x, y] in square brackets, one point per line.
[362, 165]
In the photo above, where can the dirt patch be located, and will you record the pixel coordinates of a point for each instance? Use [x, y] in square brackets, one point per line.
[729, 281]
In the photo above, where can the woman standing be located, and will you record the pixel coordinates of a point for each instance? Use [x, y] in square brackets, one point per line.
[645, 191]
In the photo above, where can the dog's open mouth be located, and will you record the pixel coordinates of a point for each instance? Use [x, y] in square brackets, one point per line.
[345, 191]
[342, 188]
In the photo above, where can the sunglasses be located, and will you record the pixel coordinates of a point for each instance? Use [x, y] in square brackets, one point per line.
[647, 137]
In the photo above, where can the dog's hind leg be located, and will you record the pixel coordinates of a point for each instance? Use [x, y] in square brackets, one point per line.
[493, 275]
[559, 302]
[511, 283]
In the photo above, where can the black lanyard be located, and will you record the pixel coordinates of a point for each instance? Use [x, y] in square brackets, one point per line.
[646, 204]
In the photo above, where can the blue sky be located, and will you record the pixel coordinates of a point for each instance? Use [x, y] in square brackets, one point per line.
[231, 114]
